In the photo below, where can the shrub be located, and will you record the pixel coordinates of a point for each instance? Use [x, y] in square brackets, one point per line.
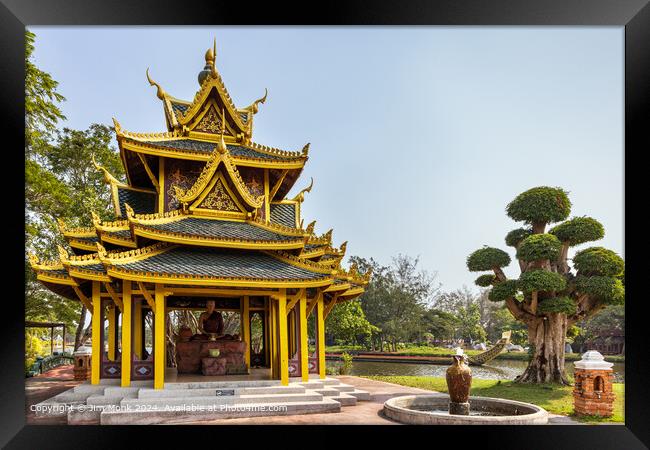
[485, 280]
[557, 305]
[541, 280]
[579, 230]
[487, 258]
[598, 261]
[346, 365]
[606, 289]
[503, 290]
[540, 205]
[514, 238]
[538, 247]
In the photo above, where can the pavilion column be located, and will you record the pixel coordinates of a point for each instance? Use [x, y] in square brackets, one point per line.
[273, 345]
[304, 343]
[97, 345]
[138, 329]
[246, 329]
[111, 316]
[159, 339]
[127, 321]
[320, 334]
[283, 337]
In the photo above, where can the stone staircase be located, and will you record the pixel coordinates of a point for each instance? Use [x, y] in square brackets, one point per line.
[140, 404]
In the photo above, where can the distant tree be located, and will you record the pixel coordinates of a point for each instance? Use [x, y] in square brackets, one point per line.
[469, 324]
[347, 322]
[548, 297]
[60, 183]
[396, 298]
[440, 324]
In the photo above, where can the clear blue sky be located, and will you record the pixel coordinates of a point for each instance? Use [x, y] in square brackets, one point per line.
[419, 136]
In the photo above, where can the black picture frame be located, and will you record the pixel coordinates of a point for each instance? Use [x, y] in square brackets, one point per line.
[634, 15]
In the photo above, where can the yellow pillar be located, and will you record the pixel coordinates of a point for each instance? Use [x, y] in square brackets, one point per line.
[112, 330]
[126, 333]
[304, 348]
[272, 347]
[159, 340]
[320, 340]
[97, 343]
[283, 337]
[246, 329]
[138, 331]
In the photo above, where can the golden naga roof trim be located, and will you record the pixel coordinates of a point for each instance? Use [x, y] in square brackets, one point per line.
[253, 106]
[124, 257]
[324, 239]
[37, 264]
[160, 93]
[303, 264]
[301, 195]
[78, 232]
[219, 155]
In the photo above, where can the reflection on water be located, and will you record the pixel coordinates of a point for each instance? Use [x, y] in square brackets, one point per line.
[499, 369]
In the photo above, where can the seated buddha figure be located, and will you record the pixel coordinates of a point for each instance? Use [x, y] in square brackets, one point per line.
[210, 322]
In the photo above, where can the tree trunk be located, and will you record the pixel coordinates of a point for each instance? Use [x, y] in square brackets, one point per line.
[80, 329]
[547, 336]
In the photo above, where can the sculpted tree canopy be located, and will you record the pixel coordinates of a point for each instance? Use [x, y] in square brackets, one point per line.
[550, 296]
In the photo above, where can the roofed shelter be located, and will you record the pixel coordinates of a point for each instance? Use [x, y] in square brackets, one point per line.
[203, 215]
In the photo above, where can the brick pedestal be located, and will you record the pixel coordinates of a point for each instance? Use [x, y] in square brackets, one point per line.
[213, 366]
[592, 391]
[82, 366]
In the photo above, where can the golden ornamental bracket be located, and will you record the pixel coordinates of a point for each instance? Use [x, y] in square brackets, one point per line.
[254, 106]
[160, 93]
[63, 253]
[301, 195]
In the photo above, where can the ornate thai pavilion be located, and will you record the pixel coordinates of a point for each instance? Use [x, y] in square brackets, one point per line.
[204, 214]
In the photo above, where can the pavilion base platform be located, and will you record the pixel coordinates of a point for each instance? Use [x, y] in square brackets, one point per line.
[191, 401]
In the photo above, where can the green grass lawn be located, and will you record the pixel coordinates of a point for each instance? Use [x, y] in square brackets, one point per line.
[555, 399]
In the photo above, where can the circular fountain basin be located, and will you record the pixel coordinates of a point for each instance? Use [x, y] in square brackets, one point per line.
[432, 409]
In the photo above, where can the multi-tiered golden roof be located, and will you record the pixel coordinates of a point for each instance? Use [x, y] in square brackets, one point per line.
[204, 212]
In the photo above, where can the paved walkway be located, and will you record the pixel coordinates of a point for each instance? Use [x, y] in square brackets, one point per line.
[44, 386]
[363, 413]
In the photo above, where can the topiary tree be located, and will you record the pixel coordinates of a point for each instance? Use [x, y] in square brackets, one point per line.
[549, 296]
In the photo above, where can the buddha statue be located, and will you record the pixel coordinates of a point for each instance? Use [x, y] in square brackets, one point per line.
[210, 322]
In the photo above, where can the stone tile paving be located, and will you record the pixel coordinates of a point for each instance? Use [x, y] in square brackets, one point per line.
[44, 386]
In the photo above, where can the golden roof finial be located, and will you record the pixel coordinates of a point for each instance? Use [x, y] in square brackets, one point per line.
[160, 93]
[107, 176]
[301, 195]
[129, 210]
[305, 149]
[310, 228]
[96, 219]
[328, 235]
[343, 247]
[253, 107]
[368, 274]
[101, 251]
[61, 223]
[118, 127]
[33, 259]
[63, 253]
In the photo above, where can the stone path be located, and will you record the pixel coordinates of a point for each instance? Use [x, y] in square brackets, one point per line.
[44, 386]
[363, 413]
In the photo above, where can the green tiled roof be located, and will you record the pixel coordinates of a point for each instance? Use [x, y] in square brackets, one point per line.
[141, 202]
[283, 214]
[208, 147]
[219, 229]
[221, 263]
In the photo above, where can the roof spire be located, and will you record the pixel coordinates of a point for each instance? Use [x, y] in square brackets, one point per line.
[210, 68]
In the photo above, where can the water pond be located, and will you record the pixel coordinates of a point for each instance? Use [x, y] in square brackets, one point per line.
[495, 369]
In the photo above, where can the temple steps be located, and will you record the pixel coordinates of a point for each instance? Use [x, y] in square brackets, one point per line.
[108, 403]
[183, 401]
[325, 405]
[205, 392]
